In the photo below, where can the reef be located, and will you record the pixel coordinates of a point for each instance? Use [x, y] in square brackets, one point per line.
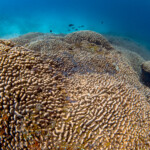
[74, 91]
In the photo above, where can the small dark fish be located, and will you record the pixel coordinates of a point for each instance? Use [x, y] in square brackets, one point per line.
[50, 31]
[102, 22]
[70, 25]
[76, 29]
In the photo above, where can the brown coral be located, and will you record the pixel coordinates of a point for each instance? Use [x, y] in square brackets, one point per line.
[86, 51]
[89, 36]
[95, 106]
[31, 93]
[104, 114]
[76, 55]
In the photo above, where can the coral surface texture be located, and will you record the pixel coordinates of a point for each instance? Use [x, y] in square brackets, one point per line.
[71, 92]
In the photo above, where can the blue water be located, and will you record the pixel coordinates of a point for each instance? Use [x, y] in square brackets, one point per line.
[125, 17]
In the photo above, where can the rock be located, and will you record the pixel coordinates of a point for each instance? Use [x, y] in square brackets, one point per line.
[146, 73]
[146, 66]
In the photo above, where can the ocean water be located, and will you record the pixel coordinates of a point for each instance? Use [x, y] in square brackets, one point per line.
[122, 17]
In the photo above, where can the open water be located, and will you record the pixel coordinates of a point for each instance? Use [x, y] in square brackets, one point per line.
[119, 17]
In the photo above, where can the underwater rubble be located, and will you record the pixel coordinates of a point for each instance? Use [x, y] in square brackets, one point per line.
[67, 92]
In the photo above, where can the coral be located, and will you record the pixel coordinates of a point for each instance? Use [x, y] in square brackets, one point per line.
[29, 37]
[25, 40]
[134, 60]
[89, 36]
[81, 56]
[31, 95]
[86, 51]
[79, 93]
[105, 114]
[50, 46]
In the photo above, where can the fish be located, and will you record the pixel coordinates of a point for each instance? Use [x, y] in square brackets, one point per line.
[70, 25]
